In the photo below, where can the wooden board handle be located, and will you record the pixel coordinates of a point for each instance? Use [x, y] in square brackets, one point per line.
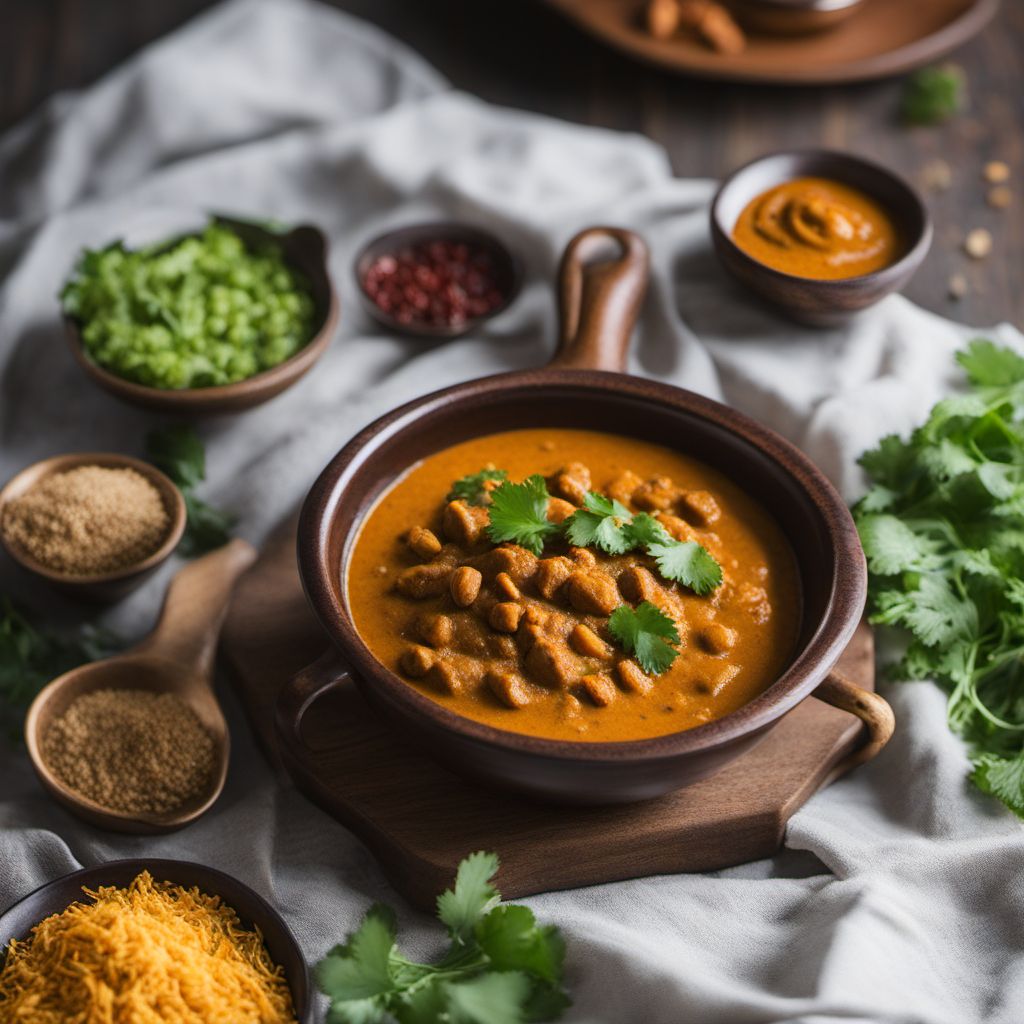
[195, 607]
[299, 694]
[872, 710]
[599, 298]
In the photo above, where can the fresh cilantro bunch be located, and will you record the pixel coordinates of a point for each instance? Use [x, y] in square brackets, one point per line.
[519, 513]
[501, 967]
[178, 452]
[646, 633]
[943, 531]
[30, 658]
[933, 95]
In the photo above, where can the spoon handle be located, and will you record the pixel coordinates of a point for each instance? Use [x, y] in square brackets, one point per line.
[195, 607]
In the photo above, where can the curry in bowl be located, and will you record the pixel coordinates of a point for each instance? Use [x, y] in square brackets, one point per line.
[575, 585]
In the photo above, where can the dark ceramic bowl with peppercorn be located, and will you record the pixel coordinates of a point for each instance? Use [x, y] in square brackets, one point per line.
[436, 280]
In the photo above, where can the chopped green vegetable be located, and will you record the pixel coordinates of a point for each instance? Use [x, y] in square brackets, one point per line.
[471, 488]
[178, 452]
[500, 968]
[519, 513]
[647, 633]
[30, 658]
[933, 95]
[687, 562]
[943, 531]
[196, 312]
[601, 523]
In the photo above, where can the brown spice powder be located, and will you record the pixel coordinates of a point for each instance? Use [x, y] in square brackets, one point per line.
[133, 751]
[89, 520]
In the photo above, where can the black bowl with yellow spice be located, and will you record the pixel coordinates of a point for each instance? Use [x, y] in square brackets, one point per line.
[820, 235]
[261, 944]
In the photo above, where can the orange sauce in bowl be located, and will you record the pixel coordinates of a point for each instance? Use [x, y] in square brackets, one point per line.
[817, 228]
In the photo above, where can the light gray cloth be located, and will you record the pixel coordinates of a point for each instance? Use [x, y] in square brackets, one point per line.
[900, 894]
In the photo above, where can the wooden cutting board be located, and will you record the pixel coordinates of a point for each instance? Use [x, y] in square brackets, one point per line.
[420, 820]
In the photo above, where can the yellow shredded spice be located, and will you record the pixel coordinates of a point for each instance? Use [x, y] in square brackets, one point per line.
[153, 953]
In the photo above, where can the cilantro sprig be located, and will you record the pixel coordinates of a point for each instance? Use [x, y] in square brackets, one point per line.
[933, 95]
[943, 531]
[646, 633]
[501, 966]
[178, 452]
[519, 513]
[471, 488]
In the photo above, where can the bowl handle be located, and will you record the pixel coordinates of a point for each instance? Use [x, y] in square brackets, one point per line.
[872, 710]
[299, 694]
[599, 298]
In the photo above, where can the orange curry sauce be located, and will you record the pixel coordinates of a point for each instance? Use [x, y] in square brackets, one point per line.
[813, 227]
[758, 604]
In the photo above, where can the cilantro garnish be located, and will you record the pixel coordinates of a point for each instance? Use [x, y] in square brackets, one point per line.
[519, 513]
[933, 95]
[471, 488]
[501, 967]
[600, 523]
[687, 562]
[178, 452]
[647, 633]
[943, 531]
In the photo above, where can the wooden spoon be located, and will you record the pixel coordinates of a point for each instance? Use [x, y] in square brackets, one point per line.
[177, 657]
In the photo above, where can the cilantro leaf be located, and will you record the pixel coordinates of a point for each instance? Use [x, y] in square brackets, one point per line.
[989, 365]
[472, 896]
[601, 523]
[645, 530]
[687, 562]
[518, 513]
[178, 452]
[1001, 777]
[647, 633]
[892, 547]
[933, 95]
[501, 968]
[471, 488]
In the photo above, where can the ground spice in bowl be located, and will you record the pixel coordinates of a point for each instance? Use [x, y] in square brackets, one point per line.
[132, 751]
[88, 521]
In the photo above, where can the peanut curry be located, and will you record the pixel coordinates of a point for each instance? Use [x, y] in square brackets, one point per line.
[575, 585]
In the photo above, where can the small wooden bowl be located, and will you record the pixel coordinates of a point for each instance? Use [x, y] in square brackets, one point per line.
[108, 586]
[305, 249]
[804, 299]
[793, 17]
[507, 268]
[254, 912]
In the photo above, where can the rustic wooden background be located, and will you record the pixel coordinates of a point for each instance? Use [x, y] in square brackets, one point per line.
[522, 54]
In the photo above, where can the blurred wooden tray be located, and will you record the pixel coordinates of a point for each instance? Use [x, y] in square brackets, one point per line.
[886, 37]
[420, 820]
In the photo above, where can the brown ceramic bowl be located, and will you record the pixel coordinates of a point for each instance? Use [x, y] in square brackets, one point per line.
[508, 272]
[305, 248]
[599, 305]
[17, 922]
[804, 299]
[793, 17]
[108, 586]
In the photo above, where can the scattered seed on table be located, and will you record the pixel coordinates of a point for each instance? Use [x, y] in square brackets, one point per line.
[1000, 197]
[996, 171]
[978, 243]
[937, 175]
[957, 286]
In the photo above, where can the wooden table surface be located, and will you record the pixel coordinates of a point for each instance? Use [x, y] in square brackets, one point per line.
[523, 54]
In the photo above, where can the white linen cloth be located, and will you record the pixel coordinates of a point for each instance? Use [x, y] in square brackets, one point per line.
[900, 894]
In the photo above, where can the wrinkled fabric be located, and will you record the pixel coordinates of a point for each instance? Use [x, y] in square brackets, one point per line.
[899, 895]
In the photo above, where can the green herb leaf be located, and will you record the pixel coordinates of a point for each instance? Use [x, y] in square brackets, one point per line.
[501, 968]
[943, 530]
[471, 488]
[933, 95]
[473, 895]
[178, 452]
[647, 633]
[687, 562]
[645, 530]
[601, 523]
[518, 513]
